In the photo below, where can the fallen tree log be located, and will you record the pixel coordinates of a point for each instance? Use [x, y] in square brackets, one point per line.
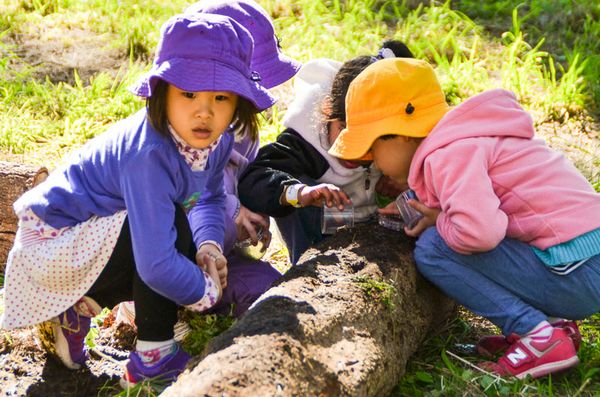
[343, 322]
[15, 179]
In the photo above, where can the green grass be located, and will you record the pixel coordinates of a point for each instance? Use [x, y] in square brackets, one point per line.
[547, 51]
[43, 119]
[146, 388]
[204, 327]
[377, 290]
[445, 366]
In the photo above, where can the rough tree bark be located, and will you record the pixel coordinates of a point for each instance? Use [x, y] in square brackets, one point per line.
[15, 179]
[324, 329]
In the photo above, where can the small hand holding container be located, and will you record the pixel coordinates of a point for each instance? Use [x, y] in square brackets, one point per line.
[410, 215]
[246, 249]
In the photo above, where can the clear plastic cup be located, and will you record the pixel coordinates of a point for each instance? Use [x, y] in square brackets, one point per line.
[410, 216]
[334, 218]
[392, 222]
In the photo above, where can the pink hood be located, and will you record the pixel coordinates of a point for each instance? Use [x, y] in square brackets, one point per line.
[492, 180]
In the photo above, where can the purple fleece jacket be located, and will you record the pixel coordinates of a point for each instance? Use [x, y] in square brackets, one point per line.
[133, 167]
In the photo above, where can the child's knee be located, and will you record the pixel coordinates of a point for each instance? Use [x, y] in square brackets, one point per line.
[428, 250]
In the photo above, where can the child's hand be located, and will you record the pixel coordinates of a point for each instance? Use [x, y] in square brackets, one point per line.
[389, 187]
[323, 194]
[248, 224]
[429, 218]
[212, 261]
[390, 209]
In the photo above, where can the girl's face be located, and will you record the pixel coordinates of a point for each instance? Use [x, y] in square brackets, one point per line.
[335, 127]
[200, 117]
[393, 156]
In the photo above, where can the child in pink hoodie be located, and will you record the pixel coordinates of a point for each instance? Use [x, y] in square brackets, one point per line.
[510, 229]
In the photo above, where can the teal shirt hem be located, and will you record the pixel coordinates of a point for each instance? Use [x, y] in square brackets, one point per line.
[582, 247]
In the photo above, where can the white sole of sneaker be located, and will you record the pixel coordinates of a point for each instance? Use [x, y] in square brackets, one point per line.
[55, 342]
[62, 348]
[546, 369]
[125, 384]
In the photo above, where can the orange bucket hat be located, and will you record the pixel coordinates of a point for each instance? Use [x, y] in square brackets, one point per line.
[394, 96]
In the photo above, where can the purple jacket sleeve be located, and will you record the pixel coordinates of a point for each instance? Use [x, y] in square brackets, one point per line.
[151, 215]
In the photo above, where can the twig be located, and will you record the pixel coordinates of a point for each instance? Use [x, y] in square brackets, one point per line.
[582, 387]
[106, 356]
[496, 377]
[475, 366]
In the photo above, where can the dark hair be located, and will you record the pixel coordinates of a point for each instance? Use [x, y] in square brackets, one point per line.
[245, 119]
[335, 104]
[156, 106]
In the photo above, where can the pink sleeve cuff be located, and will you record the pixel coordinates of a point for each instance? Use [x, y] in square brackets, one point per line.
[213, 243]
[210, 298]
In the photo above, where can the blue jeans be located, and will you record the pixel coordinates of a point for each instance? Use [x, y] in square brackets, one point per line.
[300, 230]
[509, 285]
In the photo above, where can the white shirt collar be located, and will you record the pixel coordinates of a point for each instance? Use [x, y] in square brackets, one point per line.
[195, 158]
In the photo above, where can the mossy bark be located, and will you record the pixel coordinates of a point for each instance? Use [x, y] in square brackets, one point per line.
[324, 328]
[15, 179]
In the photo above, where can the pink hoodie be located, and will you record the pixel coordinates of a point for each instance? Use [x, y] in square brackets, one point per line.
[492, 179]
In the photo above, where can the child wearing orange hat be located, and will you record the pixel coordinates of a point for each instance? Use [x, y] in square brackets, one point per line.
[510, 228]
[296, 176]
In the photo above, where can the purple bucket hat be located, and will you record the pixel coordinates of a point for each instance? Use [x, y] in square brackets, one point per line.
[205, 52]
[272, 65]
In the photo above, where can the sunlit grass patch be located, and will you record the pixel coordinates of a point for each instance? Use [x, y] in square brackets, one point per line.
[377, 290]
[58, 117]
[146, 388]
[204, 327]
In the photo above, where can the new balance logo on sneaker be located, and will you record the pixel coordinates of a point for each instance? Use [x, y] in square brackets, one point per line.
[517, 356]
[530, 357]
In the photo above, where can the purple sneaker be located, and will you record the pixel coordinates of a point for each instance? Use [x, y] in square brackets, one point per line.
[166, 369]
[65, 337]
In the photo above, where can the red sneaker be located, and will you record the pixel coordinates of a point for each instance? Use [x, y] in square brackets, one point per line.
[527, 356]
[572, 330]
[490, 345]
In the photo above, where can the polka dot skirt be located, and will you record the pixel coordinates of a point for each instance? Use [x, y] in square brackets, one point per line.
[49, 270]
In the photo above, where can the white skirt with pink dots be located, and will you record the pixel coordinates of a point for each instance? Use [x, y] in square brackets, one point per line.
[49, 270]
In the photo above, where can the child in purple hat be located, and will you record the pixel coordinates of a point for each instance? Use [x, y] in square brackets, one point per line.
[268, 61]
[138, 213]
[248, 278]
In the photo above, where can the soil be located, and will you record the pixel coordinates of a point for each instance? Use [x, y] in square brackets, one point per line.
[51, 50]
[26, 369]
